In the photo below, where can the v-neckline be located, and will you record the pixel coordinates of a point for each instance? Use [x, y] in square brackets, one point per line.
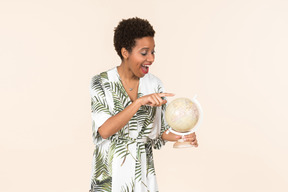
[125, 92]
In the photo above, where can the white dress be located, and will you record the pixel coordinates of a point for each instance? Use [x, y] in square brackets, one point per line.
[124, 161]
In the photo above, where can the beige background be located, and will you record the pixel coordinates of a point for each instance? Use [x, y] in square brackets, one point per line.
[232, 54]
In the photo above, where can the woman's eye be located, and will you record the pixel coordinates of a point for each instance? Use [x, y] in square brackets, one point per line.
[145, 53]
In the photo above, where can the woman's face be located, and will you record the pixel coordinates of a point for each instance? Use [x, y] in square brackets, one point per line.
[141, 56]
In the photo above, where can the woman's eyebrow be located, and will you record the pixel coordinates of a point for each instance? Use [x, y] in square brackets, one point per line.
[145, 48]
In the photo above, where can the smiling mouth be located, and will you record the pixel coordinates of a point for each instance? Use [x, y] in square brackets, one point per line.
[145, 68]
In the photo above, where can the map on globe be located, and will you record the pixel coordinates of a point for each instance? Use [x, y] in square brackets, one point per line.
[182, 114]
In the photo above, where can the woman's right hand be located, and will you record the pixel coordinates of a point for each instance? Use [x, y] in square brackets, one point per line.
[154, 100]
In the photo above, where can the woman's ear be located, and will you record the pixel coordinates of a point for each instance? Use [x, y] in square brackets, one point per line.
[124, 53]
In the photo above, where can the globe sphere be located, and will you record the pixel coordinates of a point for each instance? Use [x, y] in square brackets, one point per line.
[182, 114]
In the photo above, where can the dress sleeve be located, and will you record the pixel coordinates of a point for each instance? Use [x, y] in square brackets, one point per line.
[159, 142]
[100, 110]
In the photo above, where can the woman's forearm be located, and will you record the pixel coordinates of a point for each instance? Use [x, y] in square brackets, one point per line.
[118, 121]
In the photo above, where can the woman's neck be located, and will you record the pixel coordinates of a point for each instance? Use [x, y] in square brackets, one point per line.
[126, 74]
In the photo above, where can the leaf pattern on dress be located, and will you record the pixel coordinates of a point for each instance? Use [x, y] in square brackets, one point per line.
[102, 181]
[109, 97]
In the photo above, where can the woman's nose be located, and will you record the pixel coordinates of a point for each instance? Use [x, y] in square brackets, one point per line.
[150, 57]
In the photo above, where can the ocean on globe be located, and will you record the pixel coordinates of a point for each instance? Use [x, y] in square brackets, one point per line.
[182, 114]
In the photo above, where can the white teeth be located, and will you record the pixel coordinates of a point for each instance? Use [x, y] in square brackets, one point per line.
[145, 65]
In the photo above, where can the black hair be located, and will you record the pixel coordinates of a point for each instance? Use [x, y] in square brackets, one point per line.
[128, 30]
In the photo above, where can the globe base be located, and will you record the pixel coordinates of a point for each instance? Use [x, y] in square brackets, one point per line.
[182, 144]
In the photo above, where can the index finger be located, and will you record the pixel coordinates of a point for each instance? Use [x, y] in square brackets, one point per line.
[166, 94]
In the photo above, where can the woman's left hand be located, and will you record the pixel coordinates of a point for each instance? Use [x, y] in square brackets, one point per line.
[192, 138]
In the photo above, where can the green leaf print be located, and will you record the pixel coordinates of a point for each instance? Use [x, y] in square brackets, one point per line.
[97, 105]
[128, 188]
[97, 86]
[104, 75]
[102, 179]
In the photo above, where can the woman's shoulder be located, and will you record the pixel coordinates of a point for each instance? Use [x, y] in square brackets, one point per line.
[151, 84]
[104, 76]
[152, 79]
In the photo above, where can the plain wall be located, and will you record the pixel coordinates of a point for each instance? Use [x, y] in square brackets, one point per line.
[231, 53]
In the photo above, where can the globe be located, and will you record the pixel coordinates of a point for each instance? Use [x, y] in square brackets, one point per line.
[182, 114]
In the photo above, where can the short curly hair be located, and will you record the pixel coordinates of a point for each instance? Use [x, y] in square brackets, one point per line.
[128, 30]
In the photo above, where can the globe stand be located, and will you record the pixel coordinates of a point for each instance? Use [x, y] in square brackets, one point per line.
[182, 144]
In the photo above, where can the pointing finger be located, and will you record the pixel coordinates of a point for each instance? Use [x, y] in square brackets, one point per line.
[166, 94]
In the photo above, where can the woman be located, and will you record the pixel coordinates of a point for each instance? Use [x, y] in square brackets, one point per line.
[128, 105]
